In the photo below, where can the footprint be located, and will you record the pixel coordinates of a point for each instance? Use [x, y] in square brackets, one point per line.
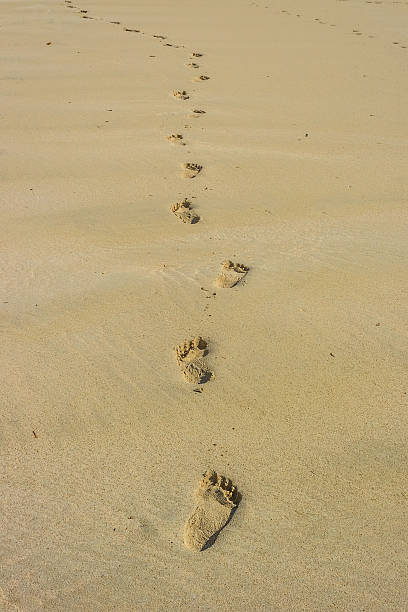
[196, 54]
[197, 112]
[159, 36]
[176, 139]
[115, 22]
[181, 94]
[192, 65]
[202, 77]
[230, 275]
[190, 358]
[183, 210]
[191, 170]
[217, 499]
[130, 30]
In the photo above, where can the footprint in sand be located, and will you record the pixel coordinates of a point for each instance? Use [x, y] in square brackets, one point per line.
[183, 211]
[176, 139]
[181, 94]
[192, 65]
[230, 275]
[202, 77]
[196, 54]
[197, 113]
[190, 358]
[130, 30]
[159, 36]
[217, 500]
[191, 170]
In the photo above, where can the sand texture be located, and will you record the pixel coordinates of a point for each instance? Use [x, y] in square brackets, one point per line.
[147, 147]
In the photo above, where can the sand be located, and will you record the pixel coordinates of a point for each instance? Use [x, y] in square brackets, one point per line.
[302, 159]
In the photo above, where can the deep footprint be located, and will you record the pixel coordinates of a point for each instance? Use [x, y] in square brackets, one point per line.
[231, 273]
[183, 211]
[191, 170]
[190, 358]
[217, 499]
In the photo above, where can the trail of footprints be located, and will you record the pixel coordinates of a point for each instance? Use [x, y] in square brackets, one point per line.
[356, 30]
[216, 497]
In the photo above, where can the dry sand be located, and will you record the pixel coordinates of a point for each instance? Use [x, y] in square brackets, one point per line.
[304, 169]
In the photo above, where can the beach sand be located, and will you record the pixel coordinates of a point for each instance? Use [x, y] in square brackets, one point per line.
[303, 402]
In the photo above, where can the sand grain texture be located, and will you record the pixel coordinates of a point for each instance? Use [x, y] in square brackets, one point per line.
[303, 148]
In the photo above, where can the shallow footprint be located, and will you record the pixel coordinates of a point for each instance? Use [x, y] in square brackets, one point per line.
[176, 139]
[191, 170]
[181, 94]
[192, 65]
[217, 499]
[190, 358]
[183, 210]
[202, 77]
[197, 112]
[231, 273]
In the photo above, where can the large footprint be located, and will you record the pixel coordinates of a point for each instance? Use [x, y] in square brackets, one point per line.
[190, 357]
[216, 500]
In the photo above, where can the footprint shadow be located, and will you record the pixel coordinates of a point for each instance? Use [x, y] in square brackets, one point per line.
[215, 535]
